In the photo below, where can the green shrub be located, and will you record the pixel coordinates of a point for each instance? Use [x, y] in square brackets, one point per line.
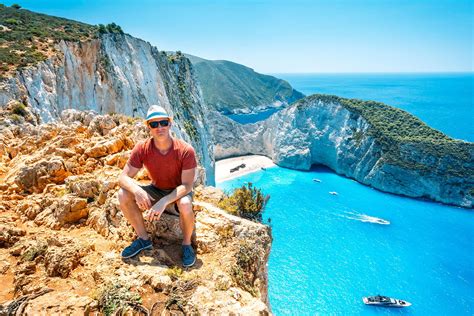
[16, 6]
[12, 21]
[247, 202]
[245, 270]
[34, 251]
[114, 296]
[19, 109]
[174, 273]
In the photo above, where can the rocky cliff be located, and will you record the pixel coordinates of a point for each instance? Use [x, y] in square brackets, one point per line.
[61, 232]
[229, 87]
[373, 143]
[115, 73]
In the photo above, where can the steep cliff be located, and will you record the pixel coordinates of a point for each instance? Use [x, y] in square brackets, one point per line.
[229, 87]
[377, 145]
[114, 73]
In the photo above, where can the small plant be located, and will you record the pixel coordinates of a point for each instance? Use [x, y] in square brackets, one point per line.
[247, 202]
[174, 273]
[12, 21]
[16, 118]
[244, 271]
[34, 251]
[19, 109]
[190, 130]
[114, 296]
[16, 6]
[178, 299]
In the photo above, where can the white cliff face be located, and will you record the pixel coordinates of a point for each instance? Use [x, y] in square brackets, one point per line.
[317, 132]
[121, 74]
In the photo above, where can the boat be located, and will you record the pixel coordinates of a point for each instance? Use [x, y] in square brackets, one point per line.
[385, 301]
[375, 220]
[333, 193]
[316, 180]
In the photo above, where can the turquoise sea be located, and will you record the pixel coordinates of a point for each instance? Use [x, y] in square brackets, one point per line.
[327, 253]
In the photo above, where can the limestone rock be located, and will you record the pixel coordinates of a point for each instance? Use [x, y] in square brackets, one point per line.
[34, 178]
[9, 235]
[321, 130]
[58, 303]
[61, 260]
[66, 210]
[83, 186]
[105, 147]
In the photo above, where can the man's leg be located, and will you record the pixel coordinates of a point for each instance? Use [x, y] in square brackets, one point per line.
[186, 218]
[132, 212]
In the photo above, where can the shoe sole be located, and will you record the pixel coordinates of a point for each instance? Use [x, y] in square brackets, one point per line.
[191, 264]
[138, 251]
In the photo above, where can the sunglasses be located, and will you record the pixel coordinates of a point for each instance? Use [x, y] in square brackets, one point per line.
[162, 123]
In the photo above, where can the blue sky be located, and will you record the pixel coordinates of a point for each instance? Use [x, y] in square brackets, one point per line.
[295, 36]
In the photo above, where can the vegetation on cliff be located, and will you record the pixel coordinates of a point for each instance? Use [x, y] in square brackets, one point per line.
[406, 140]
[228, 86]
[29, 37]
[247, 202]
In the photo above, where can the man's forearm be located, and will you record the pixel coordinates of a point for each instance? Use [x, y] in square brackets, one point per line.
[128, 184]
[176, 194]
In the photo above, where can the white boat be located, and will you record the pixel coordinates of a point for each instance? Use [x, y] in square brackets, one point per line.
[333, 193]
[375, 220]
[385, 301]
[316, 180]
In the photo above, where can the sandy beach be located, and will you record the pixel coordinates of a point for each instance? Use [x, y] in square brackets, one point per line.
[252, 163]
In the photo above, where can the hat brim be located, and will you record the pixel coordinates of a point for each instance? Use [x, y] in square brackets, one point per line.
[158, 117]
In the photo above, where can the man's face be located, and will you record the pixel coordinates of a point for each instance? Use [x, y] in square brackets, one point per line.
[159, 127]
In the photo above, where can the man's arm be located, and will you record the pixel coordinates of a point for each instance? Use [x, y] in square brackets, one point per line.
[126, 182]
[187, 183]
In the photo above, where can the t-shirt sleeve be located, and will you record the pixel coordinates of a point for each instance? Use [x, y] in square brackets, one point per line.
[136, 157]
[189, 158]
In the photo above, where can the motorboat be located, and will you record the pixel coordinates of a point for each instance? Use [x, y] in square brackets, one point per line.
[333, 193]
[385, 301]
[375, 220]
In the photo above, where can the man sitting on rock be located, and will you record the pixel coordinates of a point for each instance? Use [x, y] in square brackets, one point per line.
[171, 164]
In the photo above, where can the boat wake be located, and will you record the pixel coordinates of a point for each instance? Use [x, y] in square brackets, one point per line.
[364, 218]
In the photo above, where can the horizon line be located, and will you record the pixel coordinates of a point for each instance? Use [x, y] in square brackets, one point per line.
[369, 72]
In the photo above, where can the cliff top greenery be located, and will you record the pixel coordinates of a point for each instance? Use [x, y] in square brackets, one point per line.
[27, 38]
[405, 139]
[227, 86]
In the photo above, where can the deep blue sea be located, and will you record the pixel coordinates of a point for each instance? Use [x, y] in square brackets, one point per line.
[326, 254]
[444, 101]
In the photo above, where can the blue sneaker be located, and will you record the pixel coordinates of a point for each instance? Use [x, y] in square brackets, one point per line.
[189, 258]
[136, 246]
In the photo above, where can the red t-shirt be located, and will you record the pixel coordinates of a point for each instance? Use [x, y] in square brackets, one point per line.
[164, 170]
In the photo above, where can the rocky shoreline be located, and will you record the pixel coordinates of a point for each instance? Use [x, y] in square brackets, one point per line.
[365, 141]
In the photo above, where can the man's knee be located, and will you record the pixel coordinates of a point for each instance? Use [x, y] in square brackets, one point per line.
[185, 204]
[125, 196]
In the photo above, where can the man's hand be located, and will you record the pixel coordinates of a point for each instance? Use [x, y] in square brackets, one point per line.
[154, 214]
[142, 199]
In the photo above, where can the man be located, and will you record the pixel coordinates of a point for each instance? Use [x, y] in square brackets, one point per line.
[171, 164]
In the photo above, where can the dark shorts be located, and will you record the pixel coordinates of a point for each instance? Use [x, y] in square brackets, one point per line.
[157, 194]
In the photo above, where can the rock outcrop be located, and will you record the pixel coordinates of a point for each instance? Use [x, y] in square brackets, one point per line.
[372, 143]
[61, 237]
[115, 73]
